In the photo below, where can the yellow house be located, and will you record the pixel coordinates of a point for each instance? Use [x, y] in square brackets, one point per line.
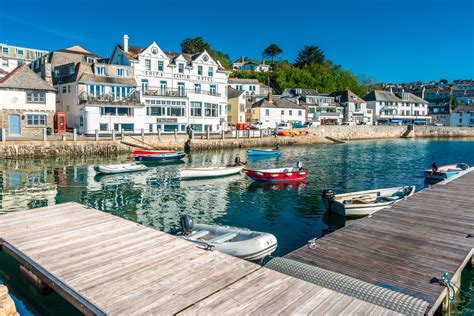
[236, 106]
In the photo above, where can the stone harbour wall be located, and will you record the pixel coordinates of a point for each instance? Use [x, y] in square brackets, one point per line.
[318, 135]
[7, 306]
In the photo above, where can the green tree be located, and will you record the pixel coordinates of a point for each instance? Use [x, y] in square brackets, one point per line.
[308, 56]
[271, 51]
[194, 45]
[223, 58]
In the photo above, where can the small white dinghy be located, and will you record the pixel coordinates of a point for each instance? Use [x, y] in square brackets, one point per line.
[238, 242]
[122, 168]
[199, 172]
[364, 203]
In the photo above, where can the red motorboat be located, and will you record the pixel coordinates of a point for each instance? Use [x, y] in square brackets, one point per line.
[152, 152]
[297, 173]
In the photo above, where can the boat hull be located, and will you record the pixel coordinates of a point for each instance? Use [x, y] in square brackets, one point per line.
[161, 157]
[254, 152]
[339, 206]
[289, 175]
[208, 172]
[444, 172]
[116, 169]
[152, 152]
[250, 245]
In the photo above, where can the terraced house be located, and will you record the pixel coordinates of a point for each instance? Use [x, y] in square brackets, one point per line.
[177, 89]
[27, 104]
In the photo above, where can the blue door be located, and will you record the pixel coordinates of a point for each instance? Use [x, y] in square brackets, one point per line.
[14, 124]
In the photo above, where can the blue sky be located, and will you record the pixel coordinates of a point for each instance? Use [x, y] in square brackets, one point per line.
[392, 41]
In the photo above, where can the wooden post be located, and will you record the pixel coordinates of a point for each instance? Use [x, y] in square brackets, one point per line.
[159, 134]
[236, 133]
[113, 135]
[261, 133]
[45, 134]
[63, 137]
[122, 136]
[96, 135]
[143, 135]
[4, 135]
[249, 132]
[74, 135]
[223, 134]
[208, 134]
[175, 135]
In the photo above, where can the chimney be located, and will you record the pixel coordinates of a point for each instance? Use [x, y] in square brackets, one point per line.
[125, 43]
[269, 97]
[423, 92]
[253, 97]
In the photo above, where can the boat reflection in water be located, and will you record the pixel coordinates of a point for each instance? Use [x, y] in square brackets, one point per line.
[299, 186]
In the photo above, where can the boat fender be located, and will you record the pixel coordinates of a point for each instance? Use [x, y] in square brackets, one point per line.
[187, 224]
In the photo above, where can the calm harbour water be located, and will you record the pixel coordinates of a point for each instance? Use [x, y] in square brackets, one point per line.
[155, 198]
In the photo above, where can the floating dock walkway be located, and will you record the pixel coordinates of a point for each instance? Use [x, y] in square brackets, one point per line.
[407, 247]
[106, 265]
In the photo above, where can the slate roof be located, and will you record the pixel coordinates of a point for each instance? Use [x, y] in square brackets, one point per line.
[234, 93]
[380, 95]
[84, 73]
[277, 103]
[299, 92]
[412, 98]
[347, 96]
[464, 108]
[24, 78]
[77, 50]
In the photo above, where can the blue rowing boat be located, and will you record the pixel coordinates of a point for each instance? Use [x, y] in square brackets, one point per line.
[168, 157]
[263, 152]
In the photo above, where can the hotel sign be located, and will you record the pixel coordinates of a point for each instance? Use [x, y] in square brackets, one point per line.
[162, 74]
[166, 120]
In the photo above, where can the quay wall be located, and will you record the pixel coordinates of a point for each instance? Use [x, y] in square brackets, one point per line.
[318, 135]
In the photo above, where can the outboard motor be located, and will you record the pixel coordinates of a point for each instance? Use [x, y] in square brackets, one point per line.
[329, 196]
[187, 224]
[299, 164]
[237, 161]
[277, 146]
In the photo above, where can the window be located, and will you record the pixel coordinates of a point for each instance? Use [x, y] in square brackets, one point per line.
[100, 71]
[251, 88]
[197, 88]
[290, 112]
[35, 97]
[90, 60]
[5, 50]
[113, 111]
[148, 64]
[39, 54]
[20, 52]
[210, 110]
[196, 109]
[160, 65]
[176, 111]
[267, 112]
[242, 107]
[144, 84]
[282, 112]
[300, 113]
[163, 86]
[150, 128]
[36, 120]
[200, 70]
[4, 62]
[69, 89]
[213, 89]
[155, 111]
[197, 128]
[210, 72]
[181, 91]
[181, 68]
[239, 87]
[122, 72]
[64, 89]
[103, 127]
[20, 62]
[127, 127]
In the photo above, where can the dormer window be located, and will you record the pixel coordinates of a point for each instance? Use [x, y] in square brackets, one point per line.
[89, 60]
[181, 68]
[100, 71]
[210, 72]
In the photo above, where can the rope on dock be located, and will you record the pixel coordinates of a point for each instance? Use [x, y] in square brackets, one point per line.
[371, 293]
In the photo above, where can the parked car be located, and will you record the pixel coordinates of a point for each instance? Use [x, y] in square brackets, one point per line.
[284, 125]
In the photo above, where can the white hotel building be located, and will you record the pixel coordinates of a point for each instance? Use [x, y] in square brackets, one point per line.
[177, 89]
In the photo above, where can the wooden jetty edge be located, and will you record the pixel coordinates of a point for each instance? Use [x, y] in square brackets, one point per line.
[106, 265]
[408, 246]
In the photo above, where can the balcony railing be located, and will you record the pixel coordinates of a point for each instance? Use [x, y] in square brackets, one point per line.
[87, 97]
[166, 92]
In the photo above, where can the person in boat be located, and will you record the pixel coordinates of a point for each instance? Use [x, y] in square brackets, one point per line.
[299, 165]
[277, 147]
[189, 131]
[238, 162]
[434, 168]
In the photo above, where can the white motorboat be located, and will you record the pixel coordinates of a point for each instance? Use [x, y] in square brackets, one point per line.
[364, 203]
[440, 173]
[238, 242]
[119, 168]
[209, 171]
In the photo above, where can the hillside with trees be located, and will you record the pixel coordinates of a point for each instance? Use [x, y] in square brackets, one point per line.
[310, 70]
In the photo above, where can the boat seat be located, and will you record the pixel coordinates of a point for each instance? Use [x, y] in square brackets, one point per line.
[198, 234]
[223, 238]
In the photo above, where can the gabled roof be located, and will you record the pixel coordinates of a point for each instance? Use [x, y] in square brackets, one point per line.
[299, 92]
[234, 93]
[24, 78]
[133, 51]
[84, 73]
[76, 49]
[464, 108]
[347, 96]
[411, 98]
[281, 103]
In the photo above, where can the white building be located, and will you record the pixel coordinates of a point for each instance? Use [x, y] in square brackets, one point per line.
[405, 108]
[14, 56]
[355, 108]
[177, 89]
[244, 64]
[254, 90]
[462, 116]
[27, 104]
[270, 112]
